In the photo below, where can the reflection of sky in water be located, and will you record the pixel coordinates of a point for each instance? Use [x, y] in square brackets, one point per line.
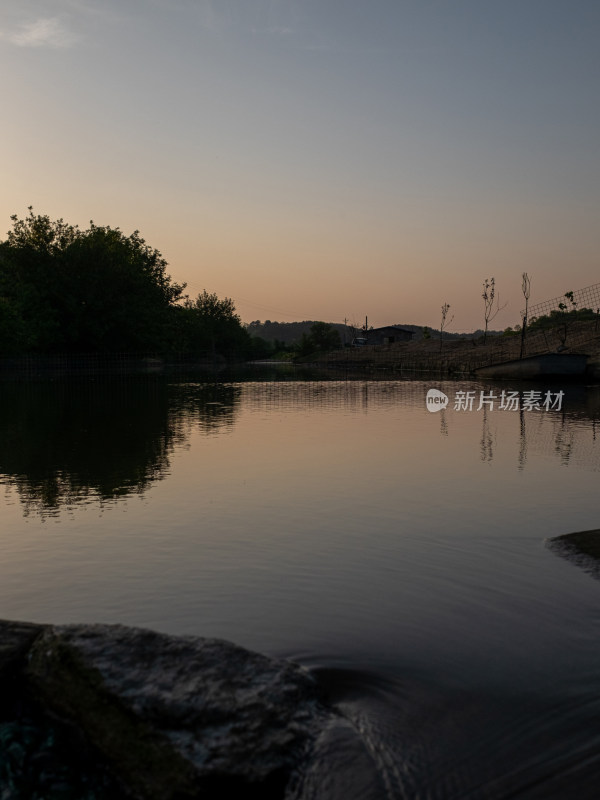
[344, 525]
[275, 498]
[67, 446]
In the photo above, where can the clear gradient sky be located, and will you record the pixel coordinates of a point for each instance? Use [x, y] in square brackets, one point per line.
[318, 159]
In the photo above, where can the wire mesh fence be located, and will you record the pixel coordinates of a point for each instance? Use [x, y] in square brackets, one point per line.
[589, 297]
[463, 357]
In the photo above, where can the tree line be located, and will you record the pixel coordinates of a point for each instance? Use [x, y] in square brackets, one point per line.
[67, 290]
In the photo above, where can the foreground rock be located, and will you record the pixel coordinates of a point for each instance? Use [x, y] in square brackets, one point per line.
[582, 548]
[172, 717]
[16, 639]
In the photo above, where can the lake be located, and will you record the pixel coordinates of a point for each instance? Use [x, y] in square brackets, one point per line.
[399, 554]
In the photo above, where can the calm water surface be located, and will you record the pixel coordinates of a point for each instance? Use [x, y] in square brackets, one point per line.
[397, 553]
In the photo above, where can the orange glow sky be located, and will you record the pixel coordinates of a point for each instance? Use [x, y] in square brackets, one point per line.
[317, 159]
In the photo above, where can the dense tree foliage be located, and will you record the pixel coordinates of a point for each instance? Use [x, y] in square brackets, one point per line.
[322, 337]
[208, 324]
[63, 289]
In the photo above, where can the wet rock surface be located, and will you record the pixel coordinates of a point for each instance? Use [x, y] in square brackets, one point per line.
[104, 710]
[40, 758]
[581, 548]
[16, 639]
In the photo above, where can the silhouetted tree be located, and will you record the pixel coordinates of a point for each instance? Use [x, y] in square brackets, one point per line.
[443, 323]
[62, 288]
[209, 324]
[489, 295]
[568, 313]
[322, 337]
[526, 289]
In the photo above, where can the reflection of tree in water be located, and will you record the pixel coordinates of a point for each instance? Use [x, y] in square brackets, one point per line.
[486, 444]
[443, 423]
[569, 435]
[209, 406]
[66, 442]
[522, 457]
[564, 442]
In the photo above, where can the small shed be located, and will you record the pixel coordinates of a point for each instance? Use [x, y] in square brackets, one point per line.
[388, 335]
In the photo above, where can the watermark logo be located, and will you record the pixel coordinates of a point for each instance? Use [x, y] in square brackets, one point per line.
[436, 400]
[506, 400]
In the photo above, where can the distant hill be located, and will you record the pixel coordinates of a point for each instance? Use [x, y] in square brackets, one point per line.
[290, 332]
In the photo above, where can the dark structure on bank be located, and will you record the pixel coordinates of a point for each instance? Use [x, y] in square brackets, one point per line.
[389, 334]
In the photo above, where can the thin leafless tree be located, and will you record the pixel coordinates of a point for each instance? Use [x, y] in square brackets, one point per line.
[489, 296]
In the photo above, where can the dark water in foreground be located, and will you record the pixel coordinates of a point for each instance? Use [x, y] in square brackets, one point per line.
[397, 553]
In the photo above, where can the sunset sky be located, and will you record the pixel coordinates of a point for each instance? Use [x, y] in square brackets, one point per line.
[318, 159]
